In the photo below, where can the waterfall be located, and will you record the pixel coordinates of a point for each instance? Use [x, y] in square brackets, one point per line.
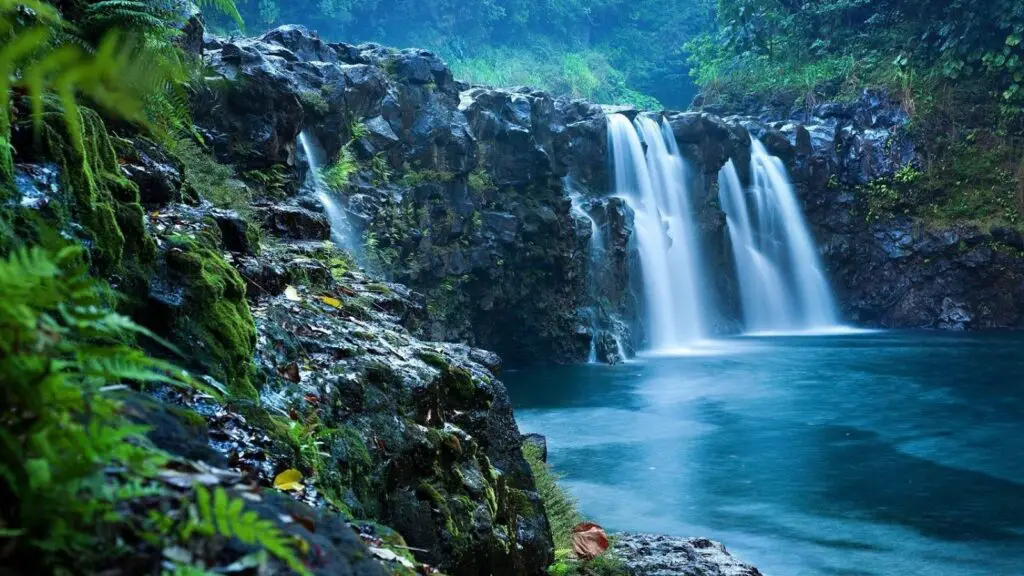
[654, 185]
[603, 323]
[340, 229]
[595, 253]
[782, 282]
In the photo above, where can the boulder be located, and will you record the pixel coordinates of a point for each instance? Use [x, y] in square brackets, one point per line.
[294, 222]
[655, 555]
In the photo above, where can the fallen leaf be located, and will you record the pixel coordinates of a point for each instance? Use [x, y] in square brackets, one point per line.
[589, 541]
[292, 294]
[290, 371]
[289, 481]
[389, 556]
[332, 302]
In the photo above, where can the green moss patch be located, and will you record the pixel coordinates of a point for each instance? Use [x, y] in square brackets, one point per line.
[218, 324]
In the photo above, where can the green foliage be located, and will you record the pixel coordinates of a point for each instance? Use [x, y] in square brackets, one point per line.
[338, 175]
[63, 357]
[601, 566]
[776, 43]
[480, 180]
[559, 505]
[381, 168]
[222, 515]
[581, 74]
[612, 50]
[414, 178]
[118, 54]
[563, 515]
[213, 181]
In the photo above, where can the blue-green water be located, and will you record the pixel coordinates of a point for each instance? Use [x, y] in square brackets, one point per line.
[892, 454]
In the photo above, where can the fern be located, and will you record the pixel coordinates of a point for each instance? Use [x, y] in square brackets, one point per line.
[226, 516]
[63, 356]
[226, 7]
[123, 14]
[119, 55]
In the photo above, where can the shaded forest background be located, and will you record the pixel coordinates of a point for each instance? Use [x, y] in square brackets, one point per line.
[658, 52]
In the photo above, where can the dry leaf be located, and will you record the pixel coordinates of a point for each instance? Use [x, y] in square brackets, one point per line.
[332, 302]
[292, 294]
[290, 371]
[589, 541]
[389, 556]
[289, 481]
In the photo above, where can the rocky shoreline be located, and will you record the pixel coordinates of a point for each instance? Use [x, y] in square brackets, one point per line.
[658, 555]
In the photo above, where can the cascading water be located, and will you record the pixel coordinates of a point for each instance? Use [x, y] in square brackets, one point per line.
[603, 323]
[782, 282]
[596, 250]
[654, 185]
[340, 229]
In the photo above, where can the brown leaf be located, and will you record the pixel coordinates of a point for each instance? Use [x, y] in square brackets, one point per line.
[290, 372]
[589, 541]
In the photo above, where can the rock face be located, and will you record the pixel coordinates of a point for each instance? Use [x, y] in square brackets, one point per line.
[889, 271]
[653, 555]
[464, 194]
[416, 436]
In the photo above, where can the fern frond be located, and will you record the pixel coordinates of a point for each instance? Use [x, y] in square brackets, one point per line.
[220, 514]
[227, 7]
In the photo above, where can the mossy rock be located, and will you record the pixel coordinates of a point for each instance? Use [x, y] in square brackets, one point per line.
[216, 324]
[96, 197]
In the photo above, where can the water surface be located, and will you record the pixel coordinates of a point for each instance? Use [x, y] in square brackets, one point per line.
[874, 454]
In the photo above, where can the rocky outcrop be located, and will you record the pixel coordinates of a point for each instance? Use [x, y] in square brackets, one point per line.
[654, 555]
[413, 435]
[889, 271]
[463, 194]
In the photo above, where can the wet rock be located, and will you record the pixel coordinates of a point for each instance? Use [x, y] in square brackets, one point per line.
[539, 442]
[654, 555]
[294, 222]
[236, 231]
[429, 447]
[38, 185]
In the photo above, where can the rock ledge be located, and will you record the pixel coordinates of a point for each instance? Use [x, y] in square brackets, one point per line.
[656, 555]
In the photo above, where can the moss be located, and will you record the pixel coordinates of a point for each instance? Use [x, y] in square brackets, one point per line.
[218, 326]
[379, 288]
[458, 383]
[314, 102]
[190, 418]
[103, 201]
[433, 358]
[347, 478]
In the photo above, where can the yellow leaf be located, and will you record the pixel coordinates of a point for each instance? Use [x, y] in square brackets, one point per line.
[332, 302]
[289, 481]
[292, 294]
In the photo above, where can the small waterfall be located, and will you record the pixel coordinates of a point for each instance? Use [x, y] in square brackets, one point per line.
[340, 229]
[654, 184]
[603, 323]
[782, 282]
[595, 253]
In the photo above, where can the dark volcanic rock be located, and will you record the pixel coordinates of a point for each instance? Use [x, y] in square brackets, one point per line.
[426, 440]
[295, 222]
[654, 555]
[538, 441]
